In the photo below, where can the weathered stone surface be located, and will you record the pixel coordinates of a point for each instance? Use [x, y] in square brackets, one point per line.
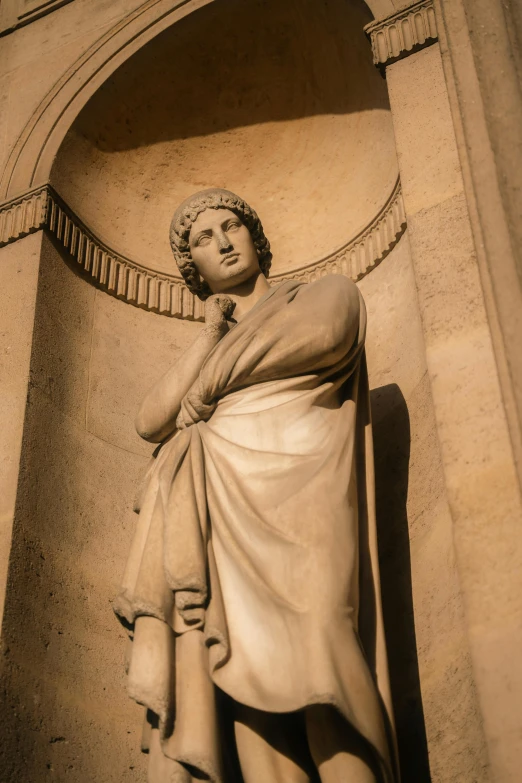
[423, 609]
[447, 496]
[62, 686]
[18, 282]
[481, 47]
[477, 456]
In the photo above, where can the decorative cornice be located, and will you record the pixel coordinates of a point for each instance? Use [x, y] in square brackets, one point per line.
[166, 294]
[116, 274]
[110, 271]
[403, 33]
[23, 215]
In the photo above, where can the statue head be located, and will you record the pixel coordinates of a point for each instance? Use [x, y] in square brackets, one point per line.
[207, 236]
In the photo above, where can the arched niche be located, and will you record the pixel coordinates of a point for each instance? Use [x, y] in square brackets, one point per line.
[277, 101]
[31, 159]
[94, 357]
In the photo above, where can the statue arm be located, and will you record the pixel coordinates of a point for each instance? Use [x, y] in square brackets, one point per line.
[156, 418]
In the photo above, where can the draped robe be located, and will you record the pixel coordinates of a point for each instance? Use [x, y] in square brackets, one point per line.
[254, 562]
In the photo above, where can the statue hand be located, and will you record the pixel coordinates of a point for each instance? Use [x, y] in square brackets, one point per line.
[218, 308]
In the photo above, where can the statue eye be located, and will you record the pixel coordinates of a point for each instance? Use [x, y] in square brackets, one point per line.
[233, 225]
[203, 239]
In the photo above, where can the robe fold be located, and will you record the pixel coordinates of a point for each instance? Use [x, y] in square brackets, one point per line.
[254, 563]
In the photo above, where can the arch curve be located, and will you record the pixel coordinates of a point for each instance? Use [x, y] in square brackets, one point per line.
[31, 158]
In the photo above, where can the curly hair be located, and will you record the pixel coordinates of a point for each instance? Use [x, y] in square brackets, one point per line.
[184, 218]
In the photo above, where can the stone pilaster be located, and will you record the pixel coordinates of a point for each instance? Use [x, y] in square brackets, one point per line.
[477, 452]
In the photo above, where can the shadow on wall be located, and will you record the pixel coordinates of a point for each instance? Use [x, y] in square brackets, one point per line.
[391, 434]
[234, 64]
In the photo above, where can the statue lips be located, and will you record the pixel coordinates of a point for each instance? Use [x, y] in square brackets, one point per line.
[230, 259]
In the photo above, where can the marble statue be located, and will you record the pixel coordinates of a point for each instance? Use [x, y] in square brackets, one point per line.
[252, 589]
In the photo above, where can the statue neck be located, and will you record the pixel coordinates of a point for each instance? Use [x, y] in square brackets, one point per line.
[247, 294]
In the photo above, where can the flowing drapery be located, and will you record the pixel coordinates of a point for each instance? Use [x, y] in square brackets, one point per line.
[254, 563]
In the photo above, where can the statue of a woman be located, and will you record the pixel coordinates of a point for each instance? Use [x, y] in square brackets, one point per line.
[252, 587]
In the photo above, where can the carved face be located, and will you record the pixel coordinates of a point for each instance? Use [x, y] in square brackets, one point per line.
[222, 249]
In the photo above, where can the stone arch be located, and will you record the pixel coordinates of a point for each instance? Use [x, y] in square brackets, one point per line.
[30, 161]
[290, 90]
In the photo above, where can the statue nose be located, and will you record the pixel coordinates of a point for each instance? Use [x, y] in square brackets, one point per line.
[224, 243]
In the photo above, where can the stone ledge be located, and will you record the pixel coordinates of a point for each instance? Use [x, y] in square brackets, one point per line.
[167, 294]
[403, 33]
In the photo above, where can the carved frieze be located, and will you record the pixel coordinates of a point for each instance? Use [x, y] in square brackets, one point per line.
[23, 215]
[403, 33]
[167, 294]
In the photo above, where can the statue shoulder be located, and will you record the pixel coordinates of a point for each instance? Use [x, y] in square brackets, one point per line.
[337, 289]
[331, 307]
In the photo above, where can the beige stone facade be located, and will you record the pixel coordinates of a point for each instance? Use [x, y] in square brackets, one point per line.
[379, 140]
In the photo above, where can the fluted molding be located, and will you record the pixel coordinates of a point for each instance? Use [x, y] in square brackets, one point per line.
[167, 294]
[402, 33]
[23, 215]
[117, 275]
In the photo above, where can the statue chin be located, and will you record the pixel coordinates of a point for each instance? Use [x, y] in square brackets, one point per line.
[234, 276]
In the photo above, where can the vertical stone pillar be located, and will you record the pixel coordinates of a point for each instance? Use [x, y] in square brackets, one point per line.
[19, 263]
[478, 459]
[481, 47]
